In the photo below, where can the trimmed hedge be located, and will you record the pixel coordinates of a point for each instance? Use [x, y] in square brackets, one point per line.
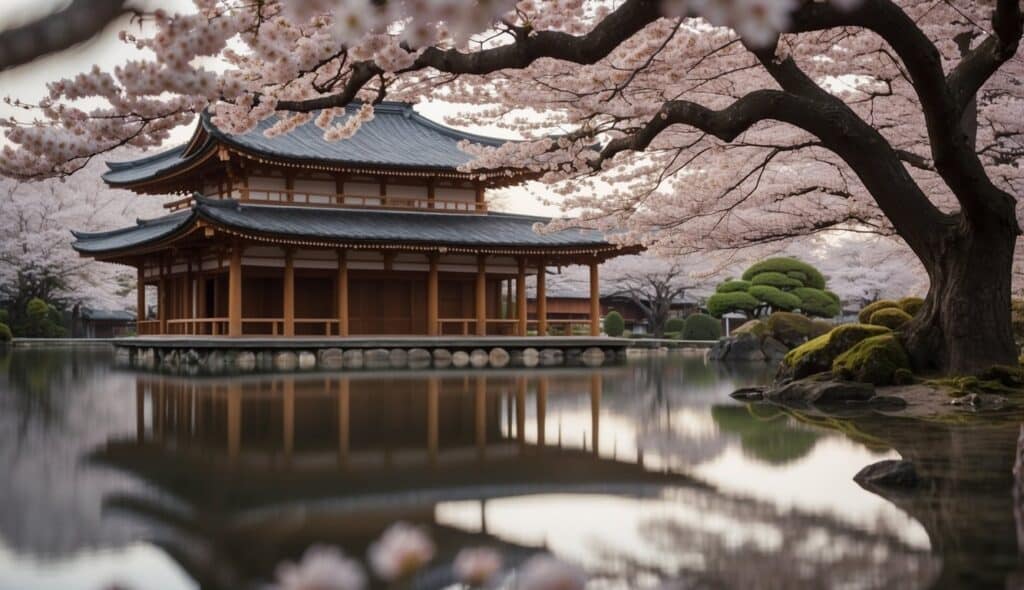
[614, 325]
[816, 302]
[732, 286]
[5, 333]
[786, 265]
[775, 297]
[700, 326]
[722, 303]
[674, 325]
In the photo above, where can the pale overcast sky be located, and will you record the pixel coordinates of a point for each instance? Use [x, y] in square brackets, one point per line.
[28, 82]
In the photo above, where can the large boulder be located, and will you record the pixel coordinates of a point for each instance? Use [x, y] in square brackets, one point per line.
[864, 315]
[791, 329]
[774, 350]
[873, 360]
[890, 317]
[817, 355]
[745, 347]
[822, 393]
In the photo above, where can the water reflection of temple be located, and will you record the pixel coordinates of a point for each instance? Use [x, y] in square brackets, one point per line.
[251, 472]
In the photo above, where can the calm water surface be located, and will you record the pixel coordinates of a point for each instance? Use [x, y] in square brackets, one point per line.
[647, 474]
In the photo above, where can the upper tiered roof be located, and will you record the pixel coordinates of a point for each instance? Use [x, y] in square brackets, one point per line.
[396, 139]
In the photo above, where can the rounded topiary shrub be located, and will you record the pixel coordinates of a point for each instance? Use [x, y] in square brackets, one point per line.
[911, 305]
[864, 316]
[890, 317]
[816, 302]
[732, 286]
[785, 266]
[722, 303]
[5, 333]
[775, 297]
[674, 325]
[614, 325]
[700, 326]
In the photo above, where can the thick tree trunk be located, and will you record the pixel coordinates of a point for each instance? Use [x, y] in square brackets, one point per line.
[964, 326]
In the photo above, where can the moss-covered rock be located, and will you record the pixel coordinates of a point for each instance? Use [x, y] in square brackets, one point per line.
[817, 355]
[755, 327]
[864, 316]
[890, 317]
[911, 305]
[819, 327]
[872, 360]
[792, 329]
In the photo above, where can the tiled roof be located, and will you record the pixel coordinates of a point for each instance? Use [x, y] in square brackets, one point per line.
[492, 230]
[396, 137]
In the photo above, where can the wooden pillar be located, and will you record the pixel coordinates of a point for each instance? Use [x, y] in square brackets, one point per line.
[201, 298]
[542, 300]
[521, 297]
[344, 395]
[433, 427]
[481, 295]
[190, 312]
[161, 299]
[235, 291]
[342, 292]
[140, 299]
[432, 297]
[595, 301]
[289, 292]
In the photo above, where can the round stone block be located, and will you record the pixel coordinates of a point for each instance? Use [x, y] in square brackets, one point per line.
[377, 358]
[550, 357]
[531, 358]
[419, 358]
[353, 358]
[460, 359]
[307, 360]
[478, 358]
[398, 358]
[332, 359]
[285, 360]
[593, 357]
[245, 361]
[498, 358]
[442, 358]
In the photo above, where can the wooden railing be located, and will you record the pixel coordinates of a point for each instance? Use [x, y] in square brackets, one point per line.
[510, 327]
[218, 326]
[302, 198]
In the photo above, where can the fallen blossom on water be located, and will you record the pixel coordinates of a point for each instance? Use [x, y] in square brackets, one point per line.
[400, 551]
[476, 565]
[545, 572]
[321, 568]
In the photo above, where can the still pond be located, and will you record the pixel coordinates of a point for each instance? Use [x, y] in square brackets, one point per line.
[647, 475]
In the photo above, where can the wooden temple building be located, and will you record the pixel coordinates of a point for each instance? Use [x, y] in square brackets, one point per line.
[382, 233]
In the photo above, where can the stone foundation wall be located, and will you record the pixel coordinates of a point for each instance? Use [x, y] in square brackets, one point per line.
[214, 361]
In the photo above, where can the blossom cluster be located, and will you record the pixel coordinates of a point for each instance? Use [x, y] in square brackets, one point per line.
[404, 549]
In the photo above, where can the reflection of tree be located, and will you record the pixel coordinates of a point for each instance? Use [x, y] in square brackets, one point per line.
[765, 434]
[765, 546]
[32, 381]
[964, 501]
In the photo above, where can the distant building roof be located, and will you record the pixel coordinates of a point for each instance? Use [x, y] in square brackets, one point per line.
[397, 137]
[107, 315]
[491, 231]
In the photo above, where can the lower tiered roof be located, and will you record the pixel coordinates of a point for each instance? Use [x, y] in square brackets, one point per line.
[491, 233]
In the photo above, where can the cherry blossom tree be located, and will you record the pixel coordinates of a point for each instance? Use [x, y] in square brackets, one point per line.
[36, 258]
[690, 124]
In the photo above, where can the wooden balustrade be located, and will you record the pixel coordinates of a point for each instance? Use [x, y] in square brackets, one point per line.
[219, 326]
[303, 198]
